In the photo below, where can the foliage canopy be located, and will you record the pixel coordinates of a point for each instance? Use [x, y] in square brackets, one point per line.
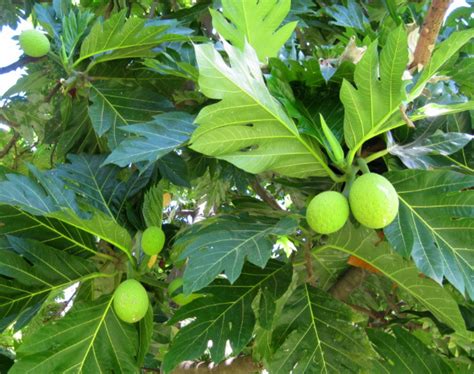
[218, 122]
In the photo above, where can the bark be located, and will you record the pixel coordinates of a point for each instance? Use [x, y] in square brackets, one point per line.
[349, 281]
[264, 195]
[429, 33]
[239, 365]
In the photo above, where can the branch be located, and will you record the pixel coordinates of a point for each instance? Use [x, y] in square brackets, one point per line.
[11, 143]
[22, 61]
[429, 33]
[264, 195]
[238, 365]
[350, 280]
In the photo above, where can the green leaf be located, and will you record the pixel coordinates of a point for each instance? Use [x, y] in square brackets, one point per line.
[434, 224]
[119, 37]
[102, 186]
[99, 225]
[74, 25]
[152, 208]
[225, 314]
[366, 245]
[145, 334]
[404, 353]
[49, 197]
[14, 221]
[29, 271]
[222, 244]
[155, 139]
[174, 168]
[441, 55]
[413, 155]
[317, 334]
[255, 22]
[380, 90]
[350, 16]
[248, 127]
[117, 105]
[89, 339]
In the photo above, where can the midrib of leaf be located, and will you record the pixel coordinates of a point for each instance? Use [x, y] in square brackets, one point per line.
[252, 238]
[313, 325]
[53, 288]
[388, 275]
[396, 354]
[115, 243]
[94, 336]
[68, 238]
[98, 189]
[435, 233]
[118, 47]
[392, 68]
[279, 120]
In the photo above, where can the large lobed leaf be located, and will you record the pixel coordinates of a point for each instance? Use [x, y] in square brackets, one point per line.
[255, 22]
[226, 313]
[30, 271]
[90, 339]
[119, 37]
[48, 196]
[380, 90]
[153, 140]
[116, 105]
[435, 224]
[223, 244]
[101, 186]
[248, 127]
[365, 244]
[317, 334]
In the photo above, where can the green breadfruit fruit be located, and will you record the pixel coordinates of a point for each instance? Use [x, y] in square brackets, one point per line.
[373, 201]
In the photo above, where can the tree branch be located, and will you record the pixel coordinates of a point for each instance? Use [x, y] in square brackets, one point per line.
[264, 195]
[238, 365]
[22, 61]
[429, 33]
[349, 281]
[11, 143]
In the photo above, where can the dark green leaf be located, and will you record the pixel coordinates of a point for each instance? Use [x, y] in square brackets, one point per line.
[404, 353]
[317, 334]
[156, 138]
[224, 243]
[90, 339]
[434, 224]
[174, 168]
[117, 105]
[30, 271]
[225, 314]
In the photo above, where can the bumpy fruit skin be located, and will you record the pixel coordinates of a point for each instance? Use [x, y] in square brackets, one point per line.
[327, 212]
[131, 301]
[34, 43]
[153, 240]
[180, 299]
[373, 201]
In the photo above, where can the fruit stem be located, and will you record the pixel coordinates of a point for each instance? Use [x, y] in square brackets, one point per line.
[351, 175]
[363, 166]
[376, 155]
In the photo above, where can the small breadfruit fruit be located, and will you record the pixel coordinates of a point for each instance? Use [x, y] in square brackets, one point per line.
[180, 298]
[373, 201]
[153, 240]
[327, 212]
[34, 43]
[131, 301]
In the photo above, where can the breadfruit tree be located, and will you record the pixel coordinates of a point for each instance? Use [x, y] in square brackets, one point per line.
[245, 185]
